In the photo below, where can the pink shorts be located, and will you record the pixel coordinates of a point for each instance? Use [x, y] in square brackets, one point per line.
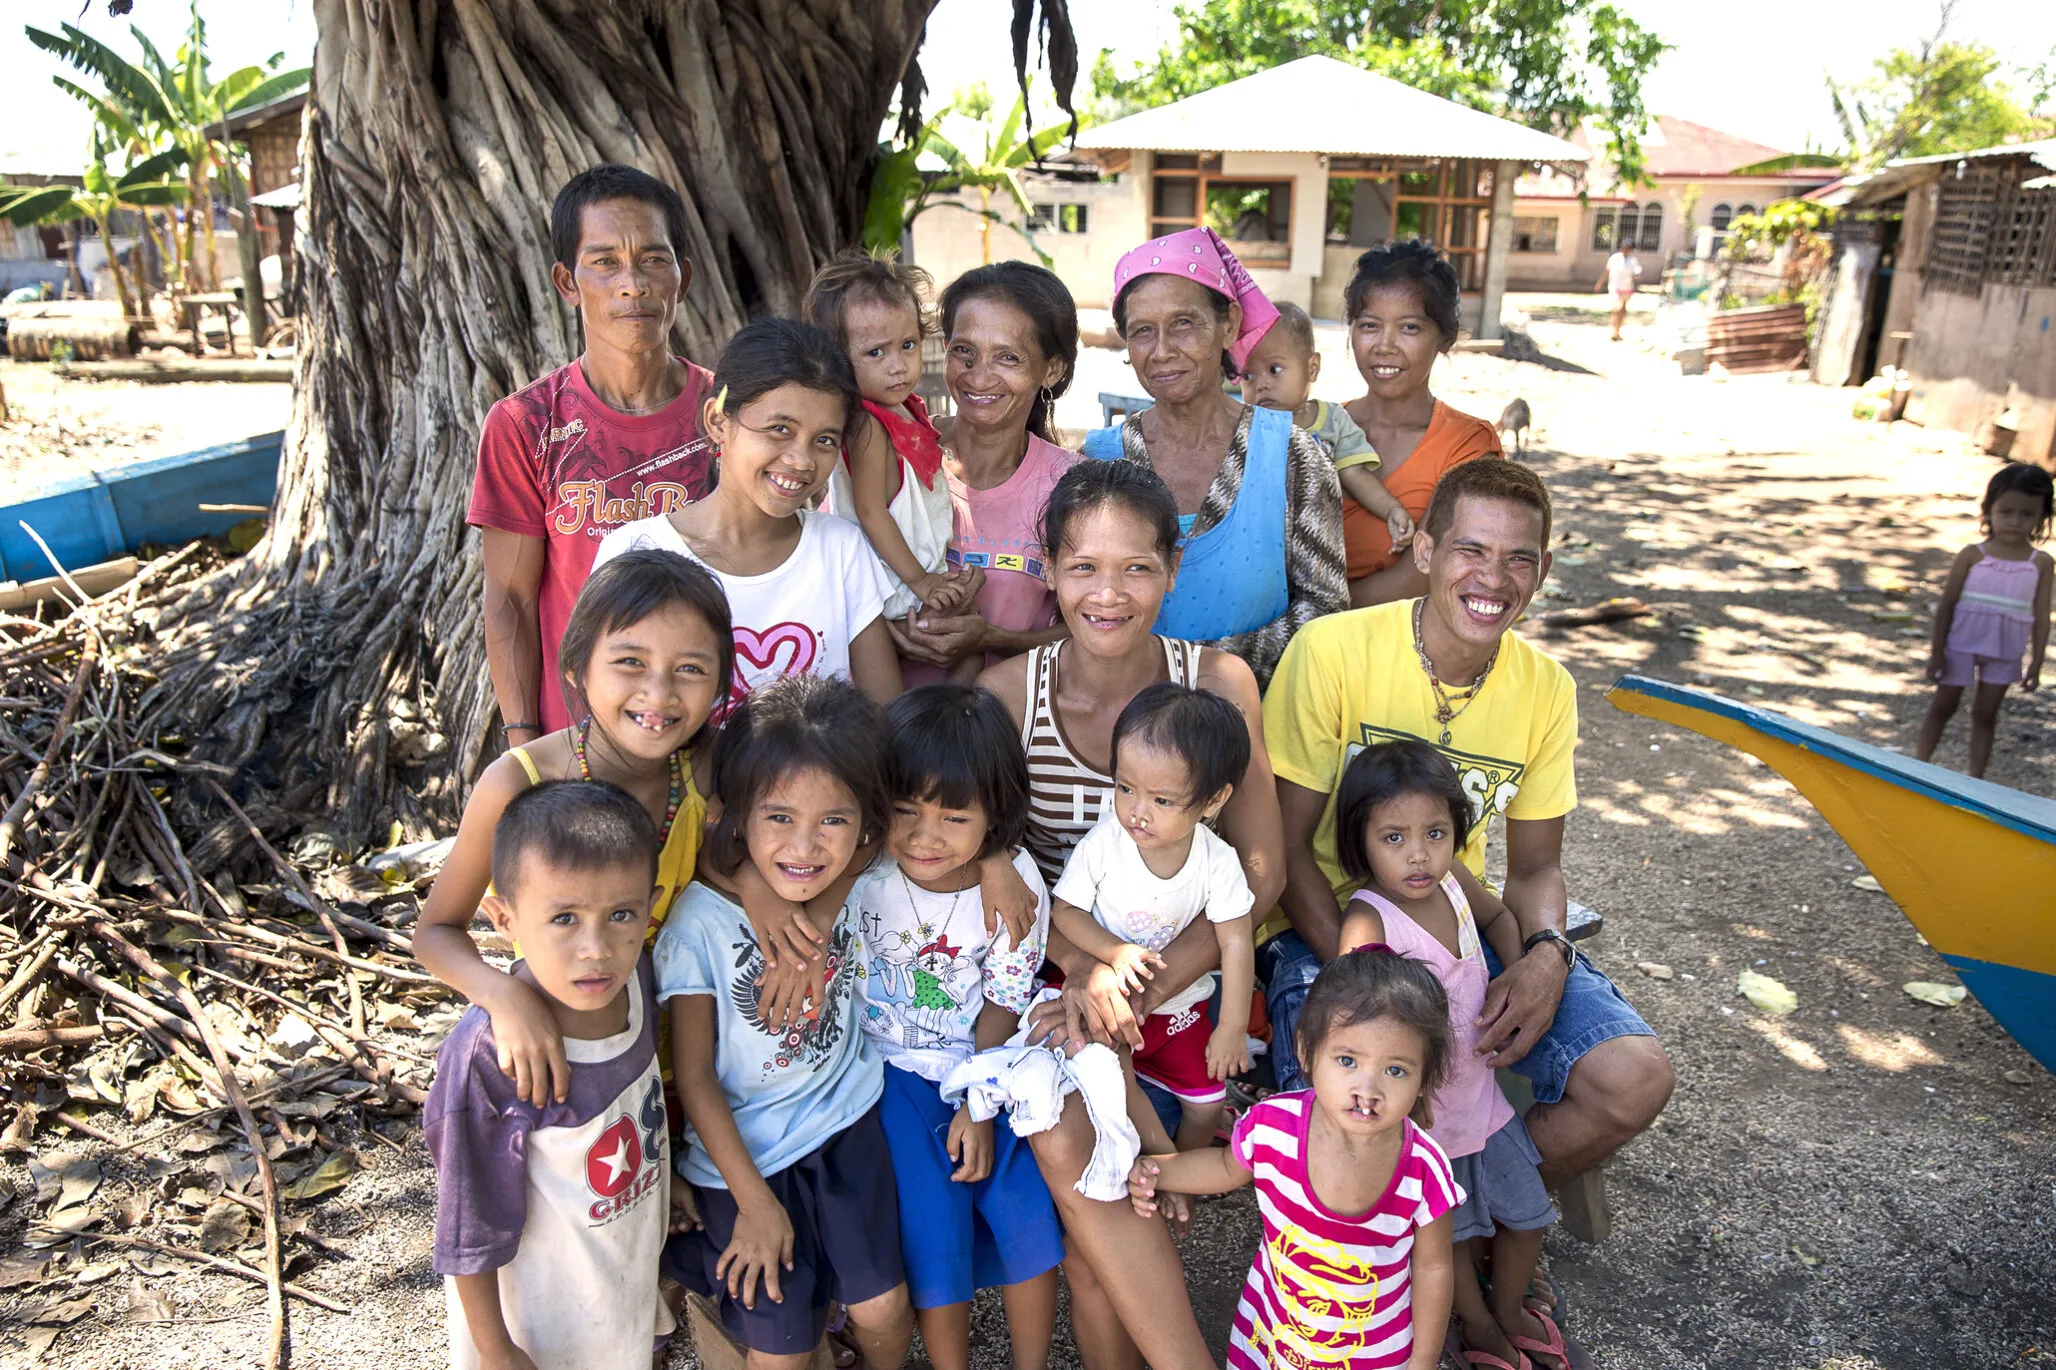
[1173, 1056]
[1960, 668]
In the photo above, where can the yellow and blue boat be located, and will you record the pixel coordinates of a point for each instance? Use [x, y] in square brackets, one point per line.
[1972, 864]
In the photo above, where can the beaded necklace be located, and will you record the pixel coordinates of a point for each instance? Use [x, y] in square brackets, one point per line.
[671, 801]
[1448, 707]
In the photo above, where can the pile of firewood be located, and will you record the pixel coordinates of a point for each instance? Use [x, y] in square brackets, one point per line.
[171, 984]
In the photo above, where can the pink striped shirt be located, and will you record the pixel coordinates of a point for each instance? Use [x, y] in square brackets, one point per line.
[1330, 1292]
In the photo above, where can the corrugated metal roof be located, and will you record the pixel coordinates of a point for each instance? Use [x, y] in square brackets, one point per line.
[1319, 104]
[1901, 174]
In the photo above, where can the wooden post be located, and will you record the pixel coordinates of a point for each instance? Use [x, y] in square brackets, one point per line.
[1498, 242]
[249, 250]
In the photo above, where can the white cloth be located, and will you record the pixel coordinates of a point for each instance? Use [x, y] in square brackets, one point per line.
[927, 966]
[1622, 270]
[1031, 1083]
[798, 618]
[924, 516]
[1107, 876]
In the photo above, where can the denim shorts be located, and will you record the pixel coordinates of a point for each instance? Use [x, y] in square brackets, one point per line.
[1593, 1010]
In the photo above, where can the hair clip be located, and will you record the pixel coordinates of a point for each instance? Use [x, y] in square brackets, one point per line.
[1375, 946]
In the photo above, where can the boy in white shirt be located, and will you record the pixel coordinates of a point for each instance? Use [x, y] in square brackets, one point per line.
[1149, 868]
[549, 1221]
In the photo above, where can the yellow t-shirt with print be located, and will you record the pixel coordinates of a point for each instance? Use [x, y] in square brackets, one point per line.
[1351, 680]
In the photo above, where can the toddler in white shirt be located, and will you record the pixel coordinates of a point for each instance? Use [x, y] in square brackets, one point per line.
[1149, 868]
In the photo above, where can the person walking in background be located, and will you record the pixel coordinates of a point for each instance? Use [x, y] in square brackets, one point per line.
[610, 437]
[1623, 269]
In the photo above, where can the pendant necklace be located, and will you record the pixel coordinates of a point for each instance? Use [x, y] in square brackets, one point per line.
[671, 800]
[1448, 707]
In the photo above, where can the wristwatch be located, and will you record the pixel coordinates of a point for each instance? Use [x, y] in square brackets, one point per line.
[1561, 942]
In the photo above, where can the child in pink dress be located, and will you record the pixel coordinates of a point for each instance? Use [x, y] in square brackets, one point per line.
[1994, 608]
[1354, 1272]
[1401, 816]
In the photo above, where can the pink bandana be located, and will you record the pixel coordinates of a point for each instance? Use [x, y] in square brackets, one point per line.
[1200, 254]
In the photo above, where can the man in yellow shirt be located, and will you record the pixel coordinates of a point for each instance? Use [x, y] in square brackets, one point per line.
[1445, 670]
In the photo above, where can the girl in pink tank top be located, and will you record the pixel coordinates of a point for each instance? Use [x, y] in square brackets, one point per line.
[1401, 815]
[1994, 610]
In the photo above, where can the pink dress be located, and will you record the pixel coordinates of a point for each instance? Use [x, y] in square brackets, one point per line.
[1468, 1108]
[1996, 611]
[1330, 1291]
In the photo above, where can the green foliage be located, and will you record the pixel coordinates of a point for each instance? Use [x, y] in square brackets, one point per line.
[1800, 228]
[173, 110]
[901, 192]
[1943, 97]
[1547, 63]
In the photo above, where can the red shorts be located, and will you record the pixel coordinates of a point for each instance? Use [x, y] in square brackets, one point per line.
[1173, 1055]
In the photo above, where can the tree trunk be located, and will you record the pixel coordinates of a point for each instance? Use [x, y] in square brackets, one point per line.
[333, 659]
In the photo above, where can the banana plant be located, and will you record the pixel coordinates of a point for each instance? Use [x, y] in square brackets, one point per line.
[145, 184]
[157, 105]
[901, 192]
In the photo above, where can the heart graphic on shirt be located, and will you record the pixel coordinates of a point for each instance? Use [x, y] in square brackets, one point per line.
[761, 658]
[615, 1157]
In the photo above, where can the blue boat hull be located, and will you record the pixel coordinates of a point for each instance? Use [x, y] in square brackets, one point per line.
[106, 514]
[2021, 1001]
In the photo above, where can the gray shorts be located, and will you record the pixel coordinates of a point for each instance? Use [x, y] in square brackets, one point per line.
[1502, 1186]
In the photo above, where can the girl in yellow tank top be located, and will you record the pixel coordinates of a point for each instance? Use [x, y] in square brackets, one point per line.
[647, 659]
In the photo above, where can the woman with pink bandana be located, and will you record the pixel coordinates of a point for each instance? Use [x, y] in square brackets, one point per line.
[1260, 508]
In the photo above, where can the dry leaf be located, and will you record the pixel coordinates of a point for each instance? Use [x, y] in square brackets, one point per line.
[1941, 996]
[225, 1226]
[16, 1271]
[152, 1264]
[1867, 882]
[146, 1304]
[20, 1129]
[64, 1178]
[2018, 1077]
[1765, 993]
[331, 1175]
[37, 1340]
[63, 1314]
[1655, 970]
[199, 1140]
[131, 1208]
[96, 1272]
[61, 1226]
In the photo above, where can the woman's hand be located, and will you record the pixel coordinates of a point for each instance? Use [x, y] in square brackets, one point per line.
[1097, 1009]
[1135, 966]
[530, 1044]
[951, 594]
[938, 639]
[970, 1145]
[760, 1245]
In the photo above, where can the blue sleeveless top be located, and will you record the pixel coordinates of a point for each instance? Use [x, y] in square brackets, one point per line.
[1231, 578]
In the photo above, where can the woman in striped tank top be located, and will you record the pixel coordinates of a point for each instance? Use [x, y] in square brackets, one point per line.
[1111, 532]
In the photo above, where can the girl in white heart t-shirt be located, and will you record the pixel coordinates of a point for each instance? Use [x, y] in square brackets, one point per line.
[805, 589]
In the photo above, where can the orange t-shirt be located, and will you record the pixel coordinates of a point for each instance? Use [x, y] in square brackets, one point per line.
[1453, 437]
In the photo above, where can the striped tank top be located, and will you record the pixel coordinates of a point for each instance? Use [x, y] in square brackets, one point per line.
[1066, 797]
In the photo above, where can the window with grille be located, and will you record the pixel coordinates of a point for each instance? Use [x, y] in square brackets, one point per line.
[1652, 227]
[1048, 218]
[1967, 215]
[1534, 235]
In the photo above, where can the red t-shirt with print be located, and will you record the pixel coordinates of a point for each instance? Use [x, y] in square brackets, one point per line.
[555, 462]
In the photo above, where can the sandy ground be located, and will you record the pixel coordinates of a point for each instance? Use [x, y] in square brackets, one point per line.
[1858, 1186]
[58, 429]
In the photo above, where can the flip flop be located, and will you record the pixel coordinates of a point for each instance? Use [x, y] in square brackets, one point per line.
[1486, 1358]
[1554, 1347]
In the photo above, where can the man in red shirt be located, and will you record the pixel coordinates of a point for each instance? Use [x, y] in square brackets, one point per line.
[612, 437]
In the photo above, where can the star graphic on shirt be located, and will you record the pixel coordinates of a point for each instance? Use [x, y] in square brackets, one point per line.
[617, 1164]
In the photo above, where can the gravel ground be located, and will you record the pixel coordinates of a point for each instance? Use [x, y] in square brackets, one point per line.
[1858, 1186]
[57, 428]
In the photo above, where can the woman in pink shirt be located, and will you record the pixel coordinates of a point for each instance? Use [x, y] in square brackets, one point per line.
[1011, 333]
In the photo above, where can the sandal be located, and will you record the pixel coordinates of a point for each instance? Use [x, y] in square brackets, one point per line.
[1486, 1358]
[1553, 1348]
